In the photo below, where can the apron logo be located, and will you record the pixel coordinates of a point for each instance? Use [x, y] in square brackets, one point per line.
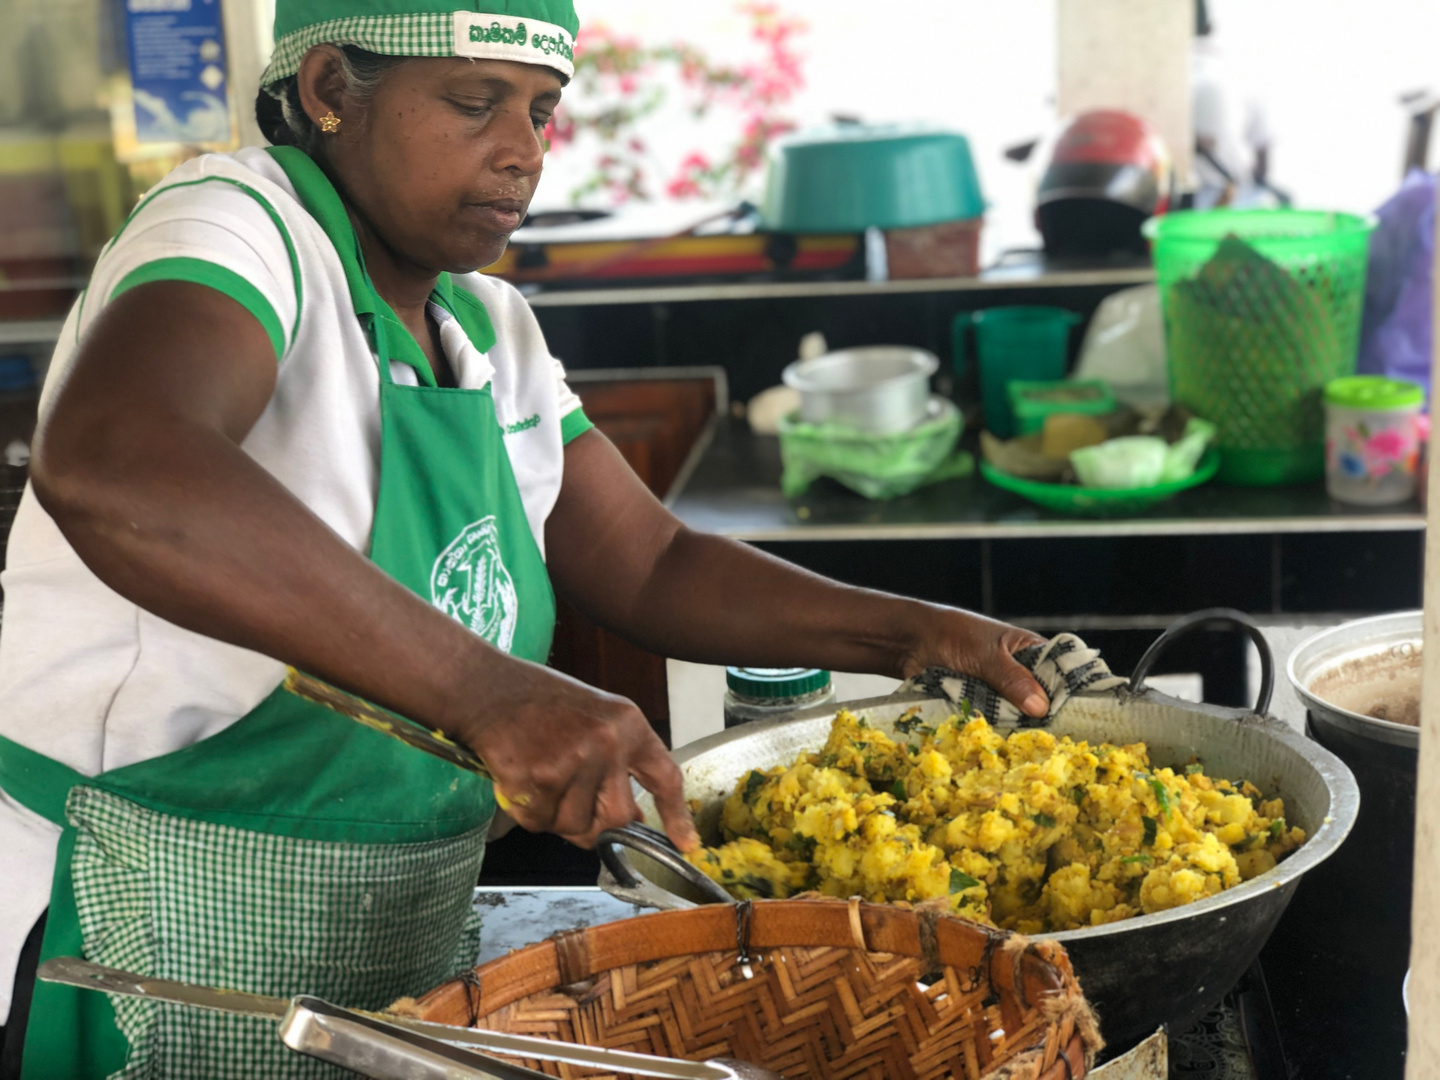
[471, 585]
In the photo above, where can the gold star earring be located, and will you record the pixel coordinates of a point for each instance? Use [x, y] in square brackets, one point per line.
[329, 123]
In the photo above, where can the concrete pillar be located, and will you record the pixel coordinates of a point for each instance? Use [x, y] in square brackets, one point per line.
[1132, 55]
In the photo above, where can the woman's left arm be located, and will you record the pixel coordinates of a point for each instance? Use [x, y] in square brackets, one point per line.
[626, 562]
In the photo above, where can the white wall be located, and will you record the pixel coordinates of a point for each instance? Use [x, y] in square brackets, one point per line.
[1329, 72]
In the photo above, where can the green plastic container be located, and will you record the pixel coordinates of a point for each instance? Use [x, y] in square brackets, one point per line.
[1032, 402]
[850, 177]
[1020, 343]
[1262, 309]
[1099, 502]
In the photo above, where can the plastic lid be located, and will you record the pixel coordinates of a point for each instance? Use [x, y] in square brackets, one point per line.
[776, 682]
[16, 374]
[1373, 392]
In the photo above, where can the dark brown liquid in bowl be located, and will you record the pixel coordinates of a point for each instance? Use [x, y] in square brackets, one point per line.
[1385, 686]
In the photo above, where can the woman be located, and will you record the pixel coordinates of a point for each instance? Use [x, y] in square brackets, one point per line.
[288, 424]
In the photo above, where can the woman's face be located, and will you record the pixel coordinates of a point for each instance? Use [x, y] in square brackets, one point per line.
[443, 160]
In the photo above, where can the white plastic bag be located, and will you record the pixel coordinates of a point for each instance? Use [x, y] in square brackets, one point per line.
[1125, 346]
[1134, 461]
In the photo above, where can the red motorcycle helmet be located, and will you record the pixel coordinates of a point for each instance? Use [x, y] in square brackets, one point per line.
[1108, 172]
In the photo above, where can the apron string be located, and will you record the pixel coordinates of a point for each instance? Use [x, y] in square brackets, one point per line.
[36, 782]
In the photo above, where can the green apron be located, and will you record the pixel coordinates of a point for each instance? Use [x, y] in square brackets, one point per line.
[297, 851]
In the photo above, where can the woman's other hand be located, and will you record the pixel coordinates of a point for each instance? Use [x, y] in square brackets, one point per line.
[974, 645]
[562, 754]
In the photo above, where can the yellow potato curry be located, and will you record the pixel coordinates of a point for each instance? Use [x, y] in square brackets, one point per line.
[1024, 831]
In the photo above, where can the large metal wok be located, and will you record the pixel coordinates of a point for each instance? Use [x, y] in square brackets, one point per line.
[1169, 967]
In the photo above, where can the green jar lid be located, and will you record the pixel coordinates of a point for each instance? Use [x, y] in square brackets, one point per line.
[789, 682]
[1373, 392]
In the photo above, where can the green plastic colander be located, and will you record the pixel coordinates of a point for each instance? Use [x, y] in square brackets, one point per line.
[1099, 502]
[1262, 309]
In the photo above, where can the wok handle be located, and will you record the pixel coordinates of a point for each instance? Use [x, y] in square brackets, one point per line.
[1212, 619]
[657, 846]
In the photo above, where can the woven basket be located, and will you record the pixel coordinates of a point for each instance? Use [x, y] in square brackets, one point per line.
[812, 989]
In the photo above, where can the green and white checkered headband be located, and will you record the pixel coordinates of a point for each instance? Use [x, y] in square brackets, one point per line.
[529, 31]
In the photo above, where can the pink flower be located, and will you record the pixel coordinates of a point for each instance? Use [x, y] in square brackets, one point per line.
[617, 90]
[1388, 445]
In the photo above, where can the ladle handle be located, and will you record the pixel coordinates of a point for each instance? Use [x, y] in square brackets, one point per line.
[1212, 619]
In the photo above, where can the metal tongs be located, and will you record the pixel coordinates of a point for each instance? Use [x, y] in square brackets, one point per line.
[620, 879]
[386, 1047]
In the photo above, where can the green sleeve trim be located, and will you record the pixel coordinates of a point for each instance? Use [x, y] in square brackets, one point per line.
[248, 190]
[216, 277]
[574, 424]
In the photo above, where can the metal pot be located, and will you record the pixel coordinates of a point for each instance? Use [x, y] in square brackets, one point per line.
[1169, 967]
[1371, 665]
[880, 389]
[1350, 673]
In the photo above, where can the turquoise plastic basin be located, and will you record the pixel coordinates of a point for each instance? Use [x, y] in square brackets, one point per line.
[852, 176]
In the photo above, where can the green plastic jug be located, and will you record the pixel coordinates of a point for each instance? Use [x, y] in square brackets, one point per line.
[1020, 343]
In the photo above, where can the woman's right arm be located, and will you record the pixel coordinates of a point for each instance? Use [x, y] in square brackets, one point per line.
[138, 461]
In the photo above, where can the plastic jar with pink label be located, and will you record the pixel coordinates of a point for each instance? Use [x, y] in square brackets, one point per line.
[1374, 431]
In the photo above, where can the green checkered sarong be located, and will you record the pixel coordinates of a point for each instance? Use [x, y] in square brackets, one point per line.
[176, 898]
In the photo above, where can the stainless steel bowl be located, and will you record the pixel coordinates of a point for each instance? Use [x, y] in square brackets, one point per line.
[1167, 967]
[1350, 672]
[1343, 675]
[881, 389]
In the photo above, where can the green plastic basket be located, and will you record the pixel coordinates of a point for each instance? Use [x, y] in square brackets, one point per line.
[1262, 309]
[1099, 502]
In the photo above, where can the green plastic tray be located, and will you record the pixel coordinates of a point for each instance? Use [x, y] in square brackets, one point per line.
[1099, 502]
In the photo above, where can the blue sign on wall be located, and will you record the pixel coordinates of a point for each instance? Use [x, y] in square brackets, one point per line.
[177, 70]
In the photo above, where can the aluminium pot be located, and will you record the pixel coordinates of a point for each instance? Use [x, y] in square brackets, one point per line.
[1373, 667]
[1362, 679]
[1346, 675]
[1167, 967]
[878, 389]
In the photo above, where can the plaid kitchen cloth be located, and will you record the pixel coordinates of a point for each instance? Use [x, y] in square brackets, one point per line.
[1064, 665]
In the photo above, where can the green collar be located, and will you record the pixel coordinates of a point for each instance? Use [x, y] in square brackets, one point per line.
[319, 197]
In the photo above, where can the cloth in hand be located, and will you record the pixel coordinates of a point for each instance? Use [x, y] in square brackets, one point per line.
[1064, 665]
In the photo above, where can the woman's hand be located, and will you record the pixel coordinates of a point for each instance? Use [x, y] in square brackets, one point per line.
[974, 645]
[562, 754]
